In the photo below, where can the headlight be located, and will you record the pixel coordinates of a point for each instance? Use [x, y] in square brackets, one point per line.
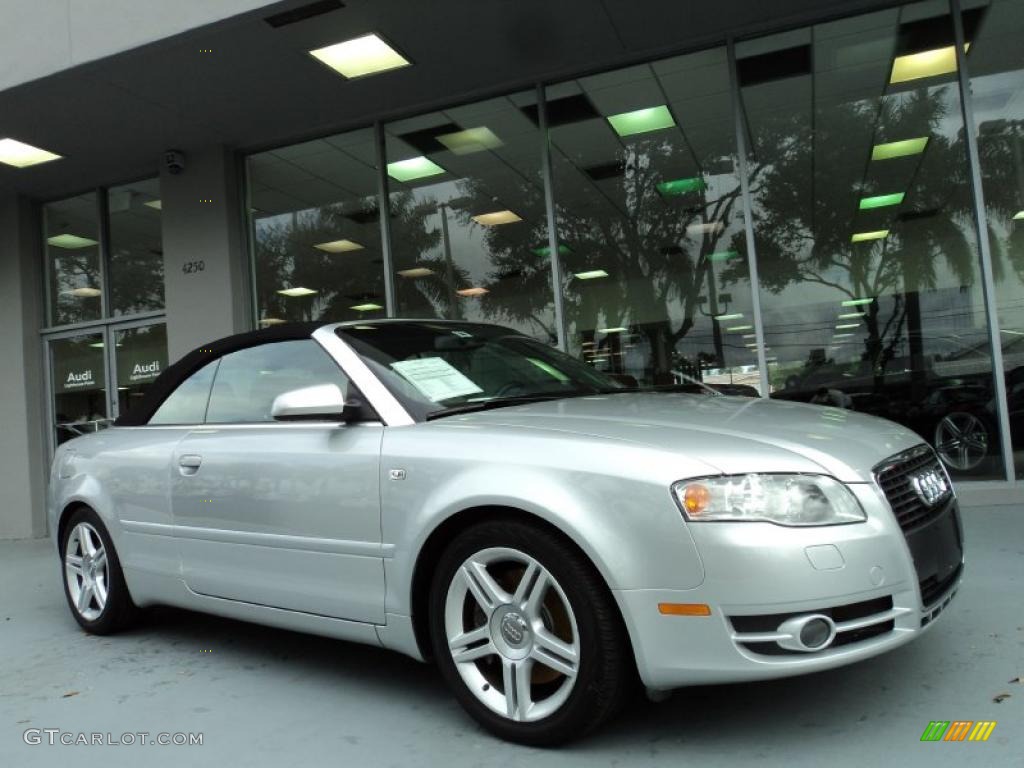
[779, 499]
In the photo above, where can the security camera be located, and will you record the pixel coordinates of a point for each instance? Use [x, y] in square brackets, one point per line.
[174, 159]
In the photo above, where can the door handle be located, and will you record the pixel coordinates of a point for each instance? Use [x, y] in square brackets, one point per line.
[188, 464]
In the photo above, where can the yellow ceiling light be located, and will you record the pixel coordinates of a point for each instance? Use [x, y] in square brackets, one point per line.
[913, 66]
[472, 293]
[156, 205]
[296, 291]
[83, 293]
[1018, 216]
[495, 218]
[339, 246]
[366, 55]
[272, 321]
[369, 307]
[470, 140]
[20, 155]
[416, 272]
[863, 237]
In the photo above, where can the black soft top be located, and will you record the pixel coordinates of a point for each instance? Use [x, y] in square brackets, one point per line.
[174, 374]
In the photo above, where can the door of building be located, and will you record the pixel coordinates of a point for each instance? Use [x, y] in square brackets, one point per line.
[99, 373]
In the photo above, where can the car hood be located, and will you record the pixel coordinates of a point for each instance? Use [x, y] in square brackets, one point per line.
[731, 434]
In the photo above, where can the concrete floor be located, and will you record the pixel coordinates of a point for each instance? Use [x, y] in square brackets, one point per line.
[268, 697]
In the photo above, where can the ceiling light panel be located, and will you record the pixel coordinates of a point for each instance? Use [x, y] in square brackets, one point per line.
[339, 246]
[366, 55]
[894, 149]
[414, 168]
[471, 140]
[494, 218]
[641, 121]
[71, 242]
[296, 291]
[21, 155]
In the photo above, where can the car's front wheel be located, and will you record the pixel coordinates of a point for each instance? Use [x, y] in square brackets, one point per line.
[527, 635]
[93, 581]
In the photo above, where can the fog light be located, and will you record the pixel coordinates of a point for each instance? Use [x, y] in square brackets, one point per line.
[815, 633]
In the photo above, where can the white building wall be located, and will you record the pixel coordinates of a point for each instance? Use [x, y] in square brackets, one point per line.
[52, 35]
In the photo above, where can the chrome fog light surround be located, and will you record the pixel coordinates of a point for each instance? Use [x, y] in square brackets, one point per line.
[810, 633]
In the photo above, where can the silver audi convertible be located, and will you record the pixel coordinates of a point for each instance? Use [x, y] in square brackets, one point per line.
[548, 535]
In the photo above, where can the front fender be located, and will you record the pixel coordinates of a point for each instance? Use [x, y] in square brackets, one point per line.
[629, 528]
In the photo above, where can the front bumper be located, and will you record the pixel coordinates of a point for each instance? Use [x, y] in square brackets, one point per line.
[868, 577]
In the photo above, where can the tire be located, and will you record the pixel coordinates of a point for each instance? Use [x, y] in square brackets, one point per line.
[94, 583]
[524, 606]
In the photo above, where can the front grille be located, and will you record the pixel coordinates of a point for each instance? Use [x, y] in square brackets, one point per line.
[932, 589]
[894, 478]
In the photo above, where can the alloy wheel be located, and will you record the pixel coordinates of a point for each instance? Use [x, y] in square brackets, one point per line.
[512, 634]
[87, 571]
[961, 440]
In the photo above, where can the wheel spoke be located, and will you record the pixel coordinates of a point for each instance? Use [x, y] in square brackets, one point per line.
[100, 592]
[535, 599]
[100, 559]
[518, 696]
[468, 647]
[85, 539]
[74, 564]
[553, 652]
[523, 588]
[483, 586]
[84, 598]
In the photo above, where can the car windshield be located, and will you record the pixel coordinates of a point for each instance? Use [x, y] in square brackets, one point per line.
[438, 369]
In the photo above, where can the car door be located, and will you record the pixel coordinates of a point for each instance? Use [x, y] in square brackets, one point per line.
[283, 514]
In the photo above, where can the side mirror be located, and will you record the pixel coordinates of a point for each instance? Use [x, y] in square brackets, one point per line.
[322, 402]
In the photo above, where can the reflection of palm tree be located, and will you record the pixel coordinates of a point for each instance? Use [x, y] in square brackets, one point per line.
[803, 234]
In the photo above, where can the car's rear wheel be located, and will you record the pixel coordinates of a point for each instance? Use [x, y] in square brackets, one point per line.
[527, 635]
[93, 581]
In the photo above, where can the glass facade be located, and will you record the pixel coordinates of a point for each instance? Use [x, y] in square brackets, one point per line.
[105, 294]
[794, 215]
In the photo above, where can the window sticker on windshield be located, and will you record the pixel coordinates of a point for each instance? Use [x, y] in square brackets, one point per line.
[435, 378]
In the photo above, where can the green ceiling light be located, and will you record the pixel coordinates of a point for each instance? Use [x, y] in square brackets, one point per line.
[414, 168]
[471, 140]
[722, 255]
[20, 155]
[858, 302]
[863, 237]
[677, 187]
[1018, 216]
[156, 205]
[641, 121]
[71, 242]
[618, 329]
[881, 201]
[737, 328]
[903, 148]
[366, 55]
[366, 307]
[592, 274]
[847, 326]
[850, 315]
[913, 66]
[296, 292]
[545, 250]
[733, 316]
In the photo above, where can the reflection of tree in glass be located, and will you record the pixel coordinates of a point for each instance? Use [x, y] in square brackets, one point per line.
[658, 272]
[805, 214]
[285, 258]
[75, 268]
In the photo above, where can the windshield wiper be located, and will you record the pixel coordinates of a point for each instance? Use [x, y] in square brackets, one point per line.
[501, 402]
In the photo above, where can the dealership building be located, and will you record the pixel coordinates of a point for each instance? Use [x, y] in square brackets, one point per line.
[819, 200]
